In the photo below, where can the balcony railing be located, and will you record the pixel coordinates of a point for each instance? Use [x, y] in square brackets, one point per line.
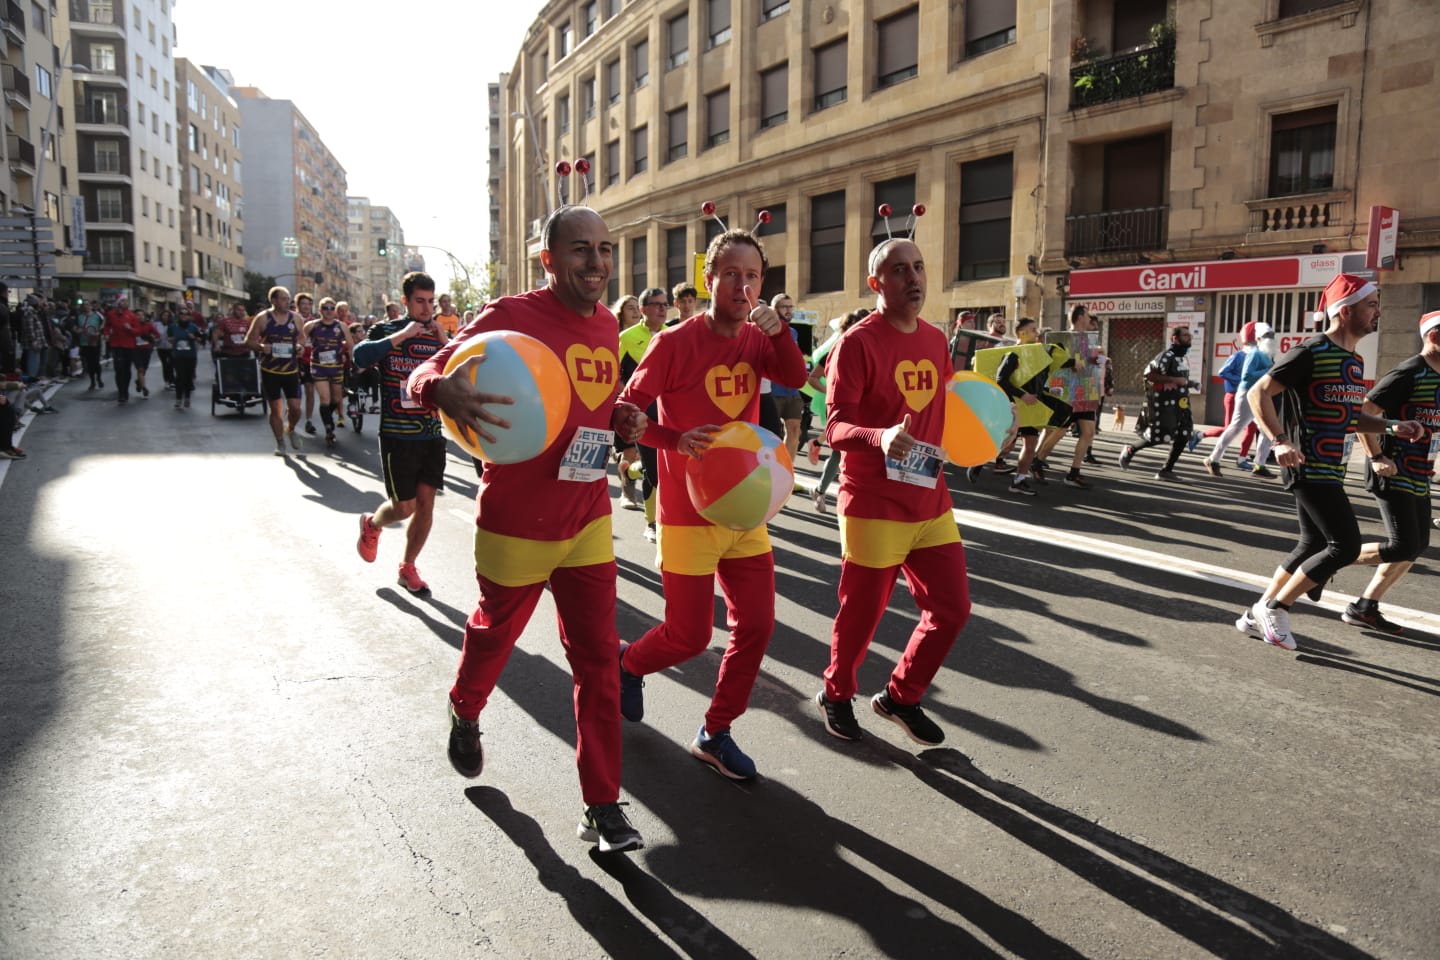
[1310, 212]
[14, 20]
[1115, 231]
[106, 16]
[22, 151]
[1147, 70]
[109, 115]
[16, 83]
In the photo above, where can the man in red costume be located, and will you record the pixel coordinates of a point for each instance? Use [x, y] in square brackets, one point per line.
[885, 402]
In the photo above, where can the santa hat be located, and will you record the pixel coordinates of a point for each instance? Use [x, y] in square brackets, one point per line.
[1344, 291]
[1431, 321]
[1247, 332]
[1263, 330]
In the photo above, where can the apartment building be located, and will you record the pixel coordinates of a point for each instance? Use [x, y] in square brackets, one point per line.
[376, 275]
[495, 166]
[212, 232]
[1213, 164]
[1165, 161]
[296, 214]
[818, 113]
[35, 174]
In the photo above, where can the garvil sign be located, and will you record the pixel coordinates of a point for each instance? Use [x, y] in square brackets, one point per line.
[1262, 274]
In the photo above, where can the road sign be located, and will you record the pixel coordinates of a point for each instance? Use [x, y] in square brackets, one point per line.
[290, 247]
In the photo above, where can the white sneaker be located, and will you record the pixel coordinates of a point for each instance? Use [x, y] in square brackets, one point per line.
[1274, 625]
[1246, 624]
[294, 439]
[819, 499]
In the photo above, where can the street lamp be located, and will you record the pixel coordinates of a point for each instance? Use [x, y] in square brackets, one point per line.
[540, 165]
[40, 161]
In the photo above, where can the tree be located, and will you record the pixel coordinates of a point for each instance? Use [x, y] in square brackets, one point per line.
[257, 289]
[473, 292]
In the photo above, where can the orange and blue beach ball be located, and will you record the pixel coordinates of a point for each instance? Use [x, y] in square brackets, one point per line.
[743, 479]
[978, 419]
[521, 367]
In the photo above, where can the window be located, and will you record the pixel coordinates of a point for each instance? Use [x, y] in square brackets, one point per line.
[827, 242]
[109, 205]
[1293, 8]
[151, 30]
[830, 75]
[154, 79]
[564, 41]
[42, 81]
[587, 97]
[52, 207]
[611, 8]
[587, 19]
[194, 141]
[612, 81]
[589, 178]
[612, 163]
[777, 220]
[1302, 151]
[988, 24]
[139, 68]
[172, 259]
[678, 31]
[165, 85]
[677, 256]
[774, 96]
[112, 252]
[900, 194]
[140, 113]
[194, 179]
[985, 201]
[640, 63]
[639, 150]
[639, 276]
[147, 251]
[899, 42]
[107, 156]
[717, 23]
[770, 9]
[562, 113]
[717, 118]
[144, 206]
[102, 58]
[676, 124]
[167, 130]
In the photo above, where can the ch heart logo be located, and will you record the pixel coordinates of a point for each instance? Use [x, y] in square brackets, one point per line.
[593, 372]
[731, 389]
[917, 382]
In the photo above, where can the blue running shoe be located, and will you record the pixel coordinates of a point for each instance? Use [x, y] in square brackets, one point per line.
[722, 752]
[632, 691]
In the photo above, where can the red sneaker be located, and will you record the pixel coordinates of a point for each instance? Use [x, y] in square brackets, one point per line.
[410, 579]
[369, 542]
[813, 454]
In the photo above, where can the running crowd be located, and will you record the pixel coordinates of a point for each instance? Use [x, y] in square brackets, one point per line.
[656, 394]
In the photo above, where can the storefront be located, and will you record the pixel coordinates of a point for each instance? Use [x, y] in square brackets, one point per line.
[1215, 298]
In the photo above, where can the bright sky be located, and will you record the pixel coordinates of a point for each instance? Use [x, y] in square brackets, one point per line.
[397, 92]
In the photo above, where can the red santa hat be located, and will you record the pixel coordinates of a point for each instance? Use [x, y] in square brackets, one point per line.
[1431, 321]
[1345, 290]
[1247, 332]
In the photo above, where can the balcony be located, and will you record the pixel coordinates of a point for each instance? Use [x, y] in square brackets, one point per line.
[102, 114]
[1131, 74]
[96, 20]
[1315, 213]
[17, 87]
[22, 154]
[14, 21]
[1116, 231]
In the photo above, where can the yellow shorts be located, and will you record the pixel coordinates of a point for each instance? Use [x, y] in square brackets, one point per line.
[697, 551]
[518, 562]
[886, 543]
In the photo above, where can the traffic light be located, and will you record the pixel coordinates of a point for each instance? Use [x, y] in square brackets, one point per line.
[380, 247]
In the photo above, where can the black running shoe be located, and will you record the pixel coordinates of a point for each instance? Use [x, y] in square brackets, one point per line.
[467, 756]
[607, 824]
[972, 474]
[1371, 619]
[839, 717]
[912, 720]
[1022, 488]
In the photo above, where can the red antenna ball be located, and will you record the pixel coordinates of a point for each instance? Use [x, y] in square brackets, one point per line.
[582, 166]
[708, 208]
[885, 210]
[563, 168]
[764, 216]
[918, 210]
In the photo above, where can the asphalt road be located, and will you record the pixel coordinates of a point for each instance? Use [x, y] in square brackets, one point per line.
[223, 735]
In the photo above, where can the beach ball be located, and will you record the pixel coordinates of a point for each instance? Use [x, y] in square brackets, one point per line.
[978, 418]
[523, 368]
[743, 479]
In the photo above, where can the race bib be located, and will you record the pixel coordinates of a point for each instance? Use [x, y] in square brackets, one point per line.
[184, 345]
[326, 358]
[237, 338]
[586, 457]
[408, 402]
[1349, 449]
[921, 468]
[282, 350]
[1434, 445]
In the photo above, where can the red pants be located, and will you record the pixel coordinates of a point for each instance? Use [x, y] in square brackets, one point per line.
[937, 580]
[748, 584]
[585, 604]
[1249, 436]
